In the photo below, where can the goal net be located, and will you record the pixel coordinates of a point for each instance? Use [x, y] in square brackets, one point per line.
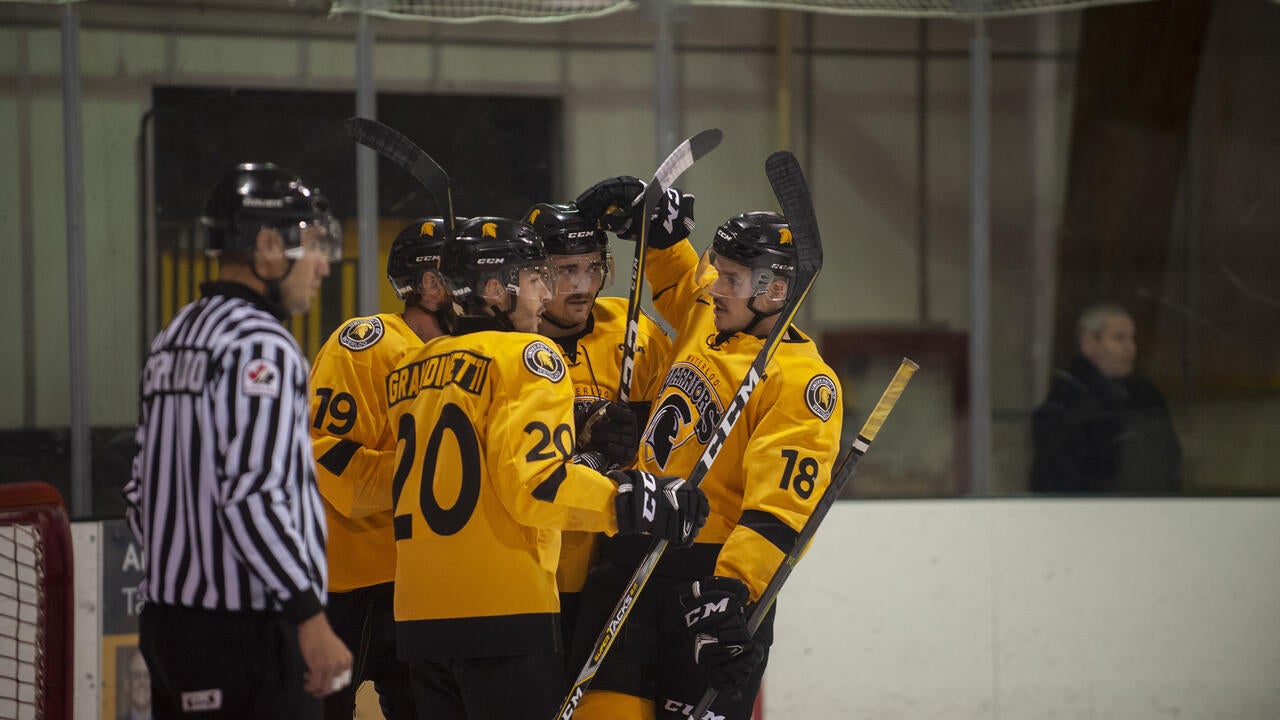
[35, 603]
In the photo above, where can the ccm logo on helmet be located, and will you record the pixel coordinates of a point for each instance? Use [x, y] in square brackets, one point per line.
[580, 234]
[489, 261]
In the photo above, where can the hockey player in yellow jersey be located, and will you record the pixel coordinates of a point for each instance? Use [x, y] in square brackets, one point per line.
[355, 457]
[688, 630]
[589, 331]
[485, 483]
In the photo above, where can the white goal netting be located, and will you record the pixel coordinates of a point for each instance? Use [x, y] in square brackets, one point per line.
[21, 621]
[35, 603]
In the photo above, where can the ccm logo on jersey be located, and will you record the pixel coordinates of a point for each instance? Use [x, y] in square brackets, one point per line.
[542, 360]
[821, 396]
[260, 377]
[361, 333]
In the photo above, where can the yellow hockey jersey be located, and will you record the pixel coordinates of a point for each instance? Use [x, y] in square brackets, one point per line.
[483, 486]
[776, 462]
[595, 366]
[355, 448]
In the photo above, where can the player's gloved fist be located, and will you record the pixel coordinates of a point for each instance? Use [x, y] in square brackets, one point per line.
[661, 505]
[715, 615]
[612, 203]
[672, 220]
[608, 428]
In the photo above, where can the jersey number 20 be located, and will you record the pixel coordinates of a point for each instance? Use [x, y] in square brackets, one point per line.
[441, 520]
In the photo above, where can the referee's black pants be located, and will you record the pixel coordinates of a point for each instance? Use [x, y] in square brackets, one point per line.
[213, 665]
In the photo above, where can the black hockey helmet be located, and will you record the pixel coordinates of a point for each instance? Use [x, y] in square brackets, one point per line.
[761, 241]
[565, 231]
[258, 195]
[488, 248]
[415, 250]
[758, 240]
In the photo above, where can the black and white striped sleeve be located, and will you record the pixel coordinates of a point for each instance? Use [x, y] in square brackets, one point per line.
[262, 500]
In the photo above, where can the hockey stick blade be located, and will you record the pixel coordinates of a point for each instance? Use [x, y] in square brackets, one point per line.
[680, 159]
[809, 263]
[407, 156]
[792, 191]
[839, 480]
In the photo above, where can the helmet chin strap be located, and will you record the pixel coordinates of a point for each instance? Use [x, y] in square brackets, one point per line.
[275, 295]
[438, 315]
[757, 316]
[503, 316]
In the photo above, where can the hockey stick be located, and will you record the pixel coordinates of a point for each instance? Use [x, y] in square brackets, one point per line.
[793, 195]
[407, 156]
[839, 479]
[680, 159]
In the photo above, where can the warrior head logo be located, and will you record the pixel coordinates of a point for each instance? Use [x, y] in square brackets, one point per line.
[670, 428]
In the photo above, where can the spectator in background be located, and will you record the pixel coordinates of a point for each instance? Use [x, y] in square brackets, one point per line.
[1102, 428]
[136, 703]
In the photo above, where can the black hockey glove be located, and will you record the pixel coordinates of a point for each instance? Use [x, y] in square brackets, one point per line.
[608, 428]
[716, 616]
[611, 203]
[616, 205]
[672, 220]
[660, 505]
[591, 459]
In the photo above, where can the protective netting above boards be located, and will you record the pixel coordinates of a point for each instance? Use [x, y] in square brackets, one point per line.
[561, 10]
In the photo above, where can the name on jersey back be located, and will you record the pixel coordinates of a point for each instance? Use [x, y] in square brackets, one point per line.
[463, 368]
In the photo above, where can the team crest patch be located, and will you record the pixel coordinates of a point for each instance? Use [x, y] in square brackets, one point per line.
[361, 333]
[821, 396]
[260, 377]
[542, 360]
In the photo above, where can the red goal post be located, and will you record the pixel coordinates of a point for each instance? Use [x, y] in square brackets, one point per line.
[36, 603]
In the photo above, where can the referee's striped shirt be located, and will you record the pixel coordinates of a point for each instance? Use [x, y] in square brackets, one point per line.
[223, 494]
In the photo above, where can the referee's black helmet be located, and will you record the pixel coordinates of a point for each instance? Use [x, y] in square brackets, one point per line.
[258, 195]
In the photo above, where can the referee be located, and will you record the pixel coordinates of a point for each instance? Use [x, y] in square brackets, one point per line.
[223, 495]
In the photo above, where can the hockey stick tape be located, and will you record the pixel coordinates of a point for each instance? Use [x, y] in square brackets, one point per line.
[341, 680]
